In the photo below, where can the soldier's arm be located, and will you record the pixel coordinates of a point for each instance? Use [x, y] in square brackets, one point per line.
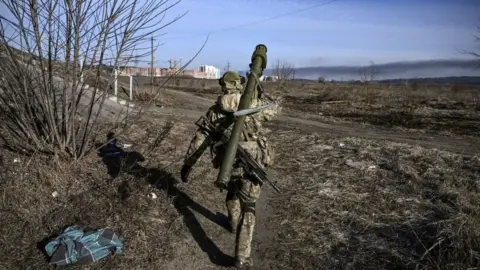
[230, 102]
[267, 114]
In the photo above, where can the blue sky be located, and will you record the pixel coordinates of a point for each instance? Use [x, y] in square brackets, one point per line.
[341, 33]
[345, 32]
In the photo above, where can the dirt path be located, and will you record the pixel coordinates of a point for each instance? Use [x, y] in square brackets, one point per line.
[467, 146]
[196, 106]
[265, 231]
[207, 244]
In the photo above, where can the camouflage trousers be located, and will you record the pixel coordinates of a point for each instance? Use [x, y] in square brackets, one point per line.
[240, 201]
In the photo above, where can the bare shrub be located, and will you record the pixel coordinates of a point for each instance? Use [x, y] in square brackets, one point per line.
[48, 106]
[476, 55]
[367, 75]
[415, 85]
[77, 184]
[285, 71]
[477, 39]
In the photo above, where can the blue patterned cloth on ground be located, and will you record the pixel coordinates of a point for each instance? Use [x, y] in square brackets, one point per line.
[76, 246]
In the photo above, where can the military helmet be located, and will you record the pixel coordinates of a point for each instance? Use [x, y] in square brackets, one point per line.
[228, 76]
[231, 77]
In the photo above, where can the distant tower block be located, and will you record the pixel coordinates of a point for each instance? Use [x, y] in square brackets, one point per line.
[209, 72]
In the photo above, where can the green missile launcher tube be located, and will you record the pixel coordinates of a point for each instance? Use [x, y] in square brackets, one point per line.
[259, 63]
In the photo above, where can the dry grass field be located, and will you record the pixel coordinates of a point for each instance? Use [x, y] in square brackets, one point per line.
[448, 110]
[347, 201]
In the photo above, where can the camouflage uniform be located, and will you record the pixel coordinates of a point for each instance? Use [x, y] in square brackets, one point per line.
[243, 192]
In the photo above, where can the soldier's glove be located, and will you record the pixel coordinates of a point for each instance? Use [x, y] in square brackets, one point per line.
[186, 169]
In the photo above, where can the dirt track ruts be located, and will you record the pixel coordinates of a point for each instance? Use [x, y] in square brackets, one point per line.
[462, 145]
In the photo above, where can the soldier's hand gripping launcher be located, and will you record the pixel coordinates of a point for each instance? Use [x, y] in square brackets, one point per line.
[259, 63]
[244, 159]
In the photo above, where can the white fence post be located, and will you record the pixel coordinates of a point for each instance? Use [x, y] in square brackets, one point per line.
[116, 82]
[131, 87]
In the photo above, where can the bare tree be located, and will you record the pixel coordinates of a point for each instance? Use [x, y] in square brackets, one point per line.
[44, 103]
[284, 71]
[476, 55]
[368, 73]
[477, 39]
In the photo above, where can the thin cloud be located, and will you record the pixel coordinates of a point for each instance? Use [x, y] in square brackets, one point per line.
[394, 70]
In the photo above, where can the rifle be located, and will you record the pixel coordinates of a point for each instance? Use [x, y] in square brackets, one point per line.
[244, 159]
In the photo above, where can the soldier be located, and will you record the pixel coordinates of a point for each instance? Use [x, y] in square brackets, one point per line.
[242, 192]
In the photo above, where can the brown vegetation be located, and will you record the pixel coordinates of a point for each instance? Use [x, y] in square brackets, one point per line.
[437, 109]
[345, 202]
[88, 196]
[358, 204]
[49, 108]
[450, 110]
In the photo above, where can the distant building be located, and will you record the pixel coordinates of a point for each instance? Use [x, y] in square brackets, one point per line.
[203, 72]
[269, 78]
[210, 72]
[142, 71]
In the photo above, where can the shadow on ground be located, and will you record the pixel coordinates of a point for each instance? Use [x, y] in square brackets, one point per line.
[119, 161]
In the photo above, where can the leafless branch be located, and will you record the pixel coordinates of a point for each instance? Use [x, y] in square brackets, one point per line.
[477, 39]
[368, 73]
[284, 71]
[47, 47]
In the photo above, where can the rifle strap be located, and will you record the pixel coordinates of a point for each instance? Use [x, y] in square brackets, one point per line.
[245, 134]
[261, 87]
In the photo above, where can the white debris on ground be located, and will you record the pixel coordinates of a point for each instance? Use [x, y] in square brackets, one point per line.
[322, 147]
[361, 165]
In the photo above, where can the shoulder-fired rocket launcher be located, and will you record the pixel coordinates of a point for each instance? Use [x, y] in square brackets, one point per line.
[259, 63]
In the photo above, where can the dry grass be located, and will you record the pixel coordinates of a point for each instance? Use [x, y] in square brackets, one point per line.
[431, 109]
[155, 97]
[401, 207]
[346, 202]
[149, 227]
[439, 109]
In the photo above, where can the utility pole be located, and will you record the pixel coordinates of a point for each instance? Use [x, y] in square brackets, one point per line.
[152, 70]
[227, 68]
[173, 64]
